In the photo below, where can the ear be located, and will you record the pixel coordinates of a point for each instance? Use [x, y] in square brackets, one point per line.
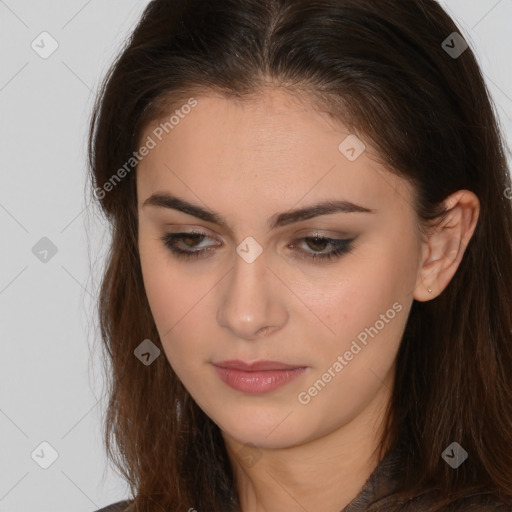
[447, 240]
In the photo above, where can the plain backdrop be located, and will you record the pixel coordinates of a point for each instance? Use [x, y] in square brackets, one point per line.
[53, 242]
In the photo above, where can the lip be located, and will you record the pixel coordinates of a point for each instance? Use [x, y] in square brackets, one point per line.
[237, 364]
[257, 377]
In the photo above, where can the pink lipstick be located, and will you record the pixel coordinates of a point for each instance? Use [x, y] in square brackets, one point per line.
[257, 377]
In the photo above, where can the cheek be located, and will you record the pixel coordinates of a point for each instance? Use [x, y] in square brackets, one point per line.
[367, 305]
[167, 300]
[163, 281]
[367, 314]
[156, 283]
[353, 301]
[177, 300]
[165, 292]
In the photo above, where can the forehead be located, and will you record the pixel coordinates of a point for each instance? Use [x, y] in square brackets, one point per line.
[271, 121]
[274, 147]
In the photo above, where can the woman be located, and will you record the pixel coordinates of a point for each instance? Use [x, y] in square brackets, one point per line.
[308, 300]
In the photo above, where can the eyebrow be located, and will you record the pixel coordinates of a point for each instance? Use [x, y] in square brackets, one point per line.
[165, 200]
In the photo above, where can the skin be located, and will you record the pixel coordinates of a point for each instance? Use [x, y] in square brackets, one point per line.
[247, 162]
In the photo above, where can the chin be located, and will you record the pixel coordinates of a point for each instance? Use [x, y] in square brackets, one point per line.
[265, 429]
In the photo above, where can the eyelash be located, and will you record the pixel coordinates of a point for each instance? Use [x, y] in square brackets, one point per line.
[340, 247]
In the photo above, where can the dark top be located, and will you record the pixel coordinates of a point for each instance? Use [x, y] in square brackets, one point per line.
[120, 506]
[375, 495]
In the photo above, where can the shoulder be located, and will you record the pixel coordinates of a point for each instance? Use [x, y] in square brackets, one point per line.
[472, 503]
[429, 501]
[120, 506]
[481, 503]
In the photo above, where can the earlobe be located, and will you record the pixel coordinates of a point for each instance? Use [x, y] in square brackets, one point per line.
[446, 245]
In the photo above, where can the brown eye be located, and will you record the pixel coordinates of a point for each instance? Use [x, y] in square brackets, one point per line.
[191, 236]
[318, 244]
[180, 244]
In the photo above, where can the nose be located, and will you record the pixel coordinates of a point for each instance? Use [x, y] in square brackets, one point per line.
[253, 301]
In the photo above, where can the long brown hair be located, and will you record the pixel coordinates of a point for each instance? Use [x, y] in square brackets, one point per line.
[380, 67]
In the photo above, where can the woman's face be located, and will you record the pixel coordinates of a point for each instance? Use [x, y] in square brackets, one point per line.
[254, 292]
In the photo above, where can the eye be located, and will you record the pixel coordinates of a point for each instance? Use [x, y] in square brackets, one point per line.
[172, 241]
[339, 247]
[180, 245]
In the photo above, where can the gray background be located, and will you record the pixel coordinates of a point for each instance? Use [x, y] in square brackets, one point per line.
[51, 379]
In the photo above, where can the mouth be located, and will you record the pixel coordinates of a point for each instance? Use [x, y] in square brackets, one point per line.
[257, 377]
[237, 364]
